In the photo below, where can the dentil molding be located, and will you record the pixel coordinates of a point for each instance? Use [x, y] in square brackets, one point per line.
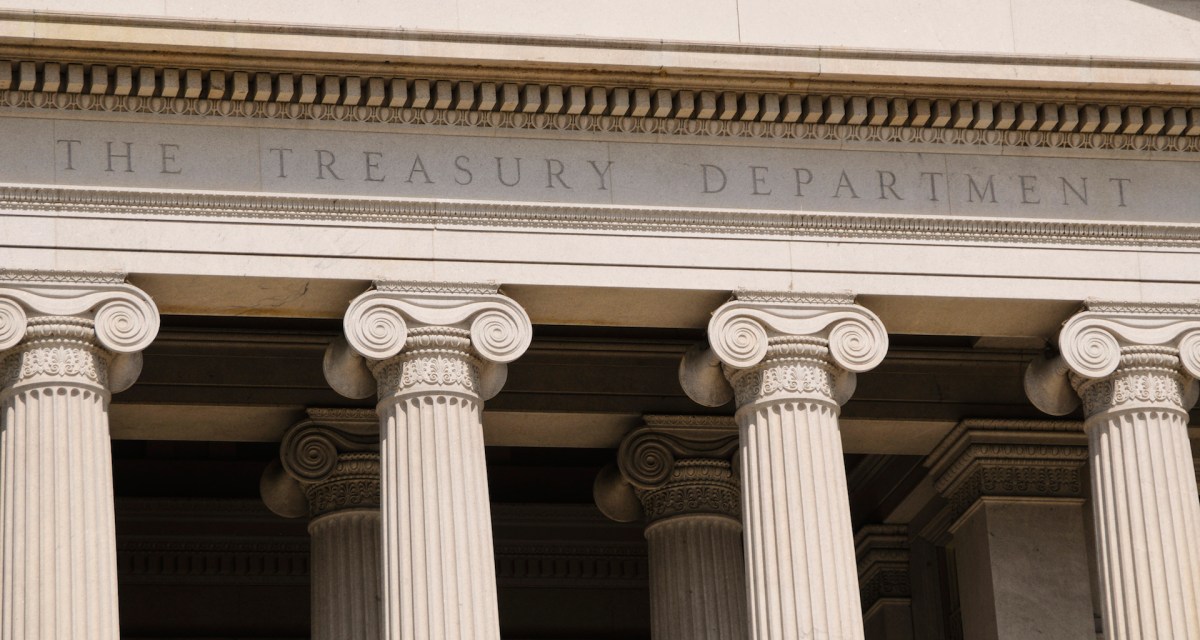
[829, 116]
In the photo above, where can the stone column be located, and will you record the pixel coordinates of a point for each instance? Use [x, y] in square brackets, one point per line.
[791, 360]
[434, 354]
[67, 341]
[328, 470]
[676, 472]
[1135, 369]
[882, 551]
[1015, 495]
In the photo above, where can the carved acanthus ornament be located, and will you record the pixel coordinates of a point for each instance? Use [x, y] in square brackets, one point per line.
[675, 465]
[1117, 357]
[327, 463]
[77, 328]
[413, 338]
[766, 347]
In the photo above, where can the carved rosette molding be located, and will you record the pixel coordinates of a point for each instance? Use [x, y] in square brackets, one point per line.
[790, 362]
[1007, 459]
[434, 352]
[67, 341]
[1134, 367]
[882, 552]
[677, 473]
[658, 111]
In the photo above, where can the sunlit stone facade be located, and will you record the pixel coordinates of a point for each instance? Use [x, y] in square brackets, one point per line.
[725, 321]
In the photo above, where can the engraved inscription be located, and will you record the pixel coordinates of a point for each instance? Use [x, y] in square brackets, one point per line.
[624, 171]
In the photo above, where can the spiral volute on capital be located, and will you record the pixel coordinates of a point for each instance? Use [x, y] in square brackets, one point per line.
[502, 334]
[740, 341]
[12, 323]
[1089, 349]
[857, 345]
[375, 328]
[126, 325]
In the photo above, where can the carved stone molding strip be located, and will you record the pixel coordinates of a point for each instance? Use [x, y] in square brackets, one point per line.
[614, 566]
[280, 561]
[212, 560]
[53, 85]
[650, 221]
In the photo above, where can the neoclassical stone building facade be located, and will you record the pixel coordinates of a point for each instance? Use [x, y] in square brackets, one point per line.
[735, 321]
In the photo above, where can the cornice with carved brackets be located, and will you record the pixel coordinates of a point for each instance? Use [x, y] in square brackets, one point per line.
[763, 346]
[1121, 356]
[403, 336]
[1008, 459]
[883, 563]
[73, 326]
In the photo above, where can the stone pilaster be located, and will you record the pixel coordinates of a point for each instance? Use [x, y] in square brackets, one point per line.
[791, 361]
[1015, 494]
[328, 470]
[67, 341]
[883, 583]
[435, 353]
[1135, 366]
[677, 473]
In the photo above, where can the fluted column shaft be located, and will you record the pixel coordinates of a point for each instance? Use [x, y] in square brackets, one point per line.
[791, 361]
[345, 575]
[697, 578]
[439, 566]
[58, 575]
[676, 473]
[803, 577]
[434, 354]
[1144, 498]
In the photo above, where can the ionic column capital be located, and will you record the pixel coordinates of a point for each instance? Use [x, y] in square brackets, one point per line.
[783, 346]
[1119, 357]
[88, 328]
[672, 466]
[469, 332]
[327, 463]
